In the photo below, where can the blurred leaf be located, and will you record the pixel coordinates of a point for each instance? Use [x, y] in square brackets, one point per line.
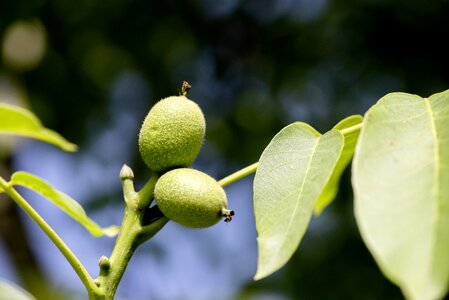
[61, 200]
[401, 186]
[19, 121]
[331, 189]
[10, 291]
[292, 172]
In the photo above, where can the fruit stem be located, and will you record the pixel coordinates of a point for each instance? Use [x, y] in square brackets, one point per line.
[148, 231]
[145, 195]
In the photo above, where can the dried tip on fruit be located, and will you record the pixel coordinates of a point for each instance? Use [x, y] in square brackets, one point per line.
[185, 88]
[227, 214]
[126, 173]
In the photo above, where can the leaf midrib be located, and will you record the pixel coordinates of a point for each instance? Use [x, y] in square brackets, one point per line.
[436, 188]
[299, 196]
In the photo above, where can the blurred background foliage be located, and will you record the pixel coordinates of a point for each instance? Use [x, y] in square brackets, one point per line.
[91, 69]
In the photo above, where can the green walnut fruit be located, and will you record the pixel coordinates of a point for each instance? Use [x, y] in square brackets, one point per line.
[191, 198]
[172, 134]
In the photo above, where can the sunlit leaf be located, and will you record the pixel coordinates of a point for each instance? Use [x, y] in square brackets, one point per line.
[292, 172]
[401, 185]
[19, 121]
[331, 189]
[61, 200]
[10, 291]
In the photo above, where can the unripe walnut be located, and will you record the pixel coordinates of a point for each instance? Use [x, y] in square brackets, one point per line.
[191, 198]
[172, 134]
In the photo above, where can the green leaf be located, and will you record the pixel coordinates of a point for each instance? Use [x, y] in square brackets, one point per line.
[401, 186]
[19, 121]
[61, 200]
[331, 189]
[292, 172]
[10, 291]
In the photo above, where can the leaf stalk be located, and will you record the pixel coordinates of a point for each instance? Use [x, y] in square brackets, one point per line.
[79, 268]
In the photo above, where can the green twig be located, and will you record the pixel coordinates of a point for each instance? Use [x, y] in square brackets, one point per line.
[132, 233]
[238, 175]
[252, 168]
[352, 129]
[124, 248]
[82, 273]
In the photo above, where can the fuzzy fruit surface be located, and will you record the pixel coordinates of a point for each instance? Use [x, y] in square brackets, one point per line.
[190, 198]
[172, 134]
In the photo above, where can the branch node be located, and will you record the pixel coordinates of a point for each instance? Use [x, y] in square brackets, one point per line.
[104, 263]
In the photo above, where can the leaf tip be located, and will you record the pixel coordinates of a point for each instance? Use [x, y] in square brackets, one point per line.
[259, 275]
[69, 147]
[318, 210]
[265, 271]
